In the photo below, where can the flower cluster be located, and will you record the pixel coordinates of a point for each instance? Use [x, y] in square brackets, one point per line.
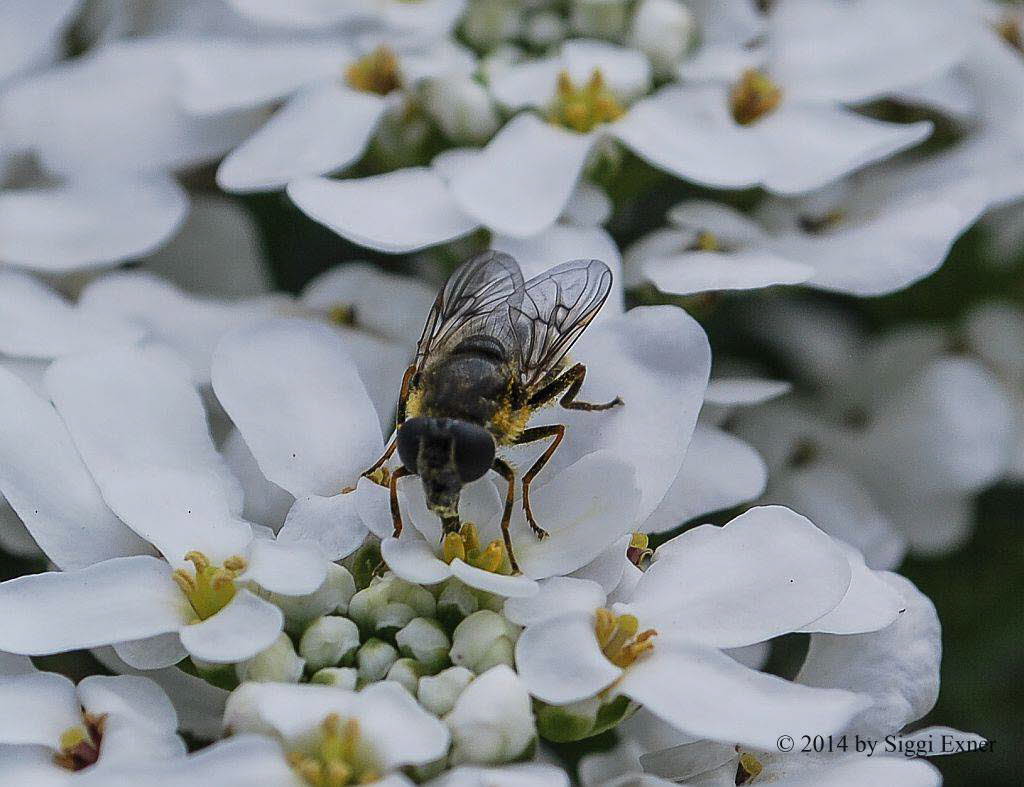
[190, 473]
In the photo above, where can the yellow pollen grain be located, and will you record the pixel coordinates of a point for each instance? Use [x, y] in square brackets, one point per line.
[465, 545]
[753, 96]
[583, 108]
[377, 72]
[751, 768]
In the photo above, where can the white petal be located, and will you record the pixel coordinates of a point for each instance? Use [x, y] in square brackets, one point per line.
[657, 359]
[527, 774]
[701, 271]
[38, 707]
[945, 739]
[768, 572]
[31, 32]
[320, 130]
[222, 75]
[381, 364]
[401, 211]
[498, 584]
[560, 243]
[246, 626]
[627, 72]
[151, 653]
[522, 180]
[897, 666]
[833, 51]
[556, 596]
[560, 661]
[132, 698]
[85, 223]
[290, 568]
[730, 391]
[119, 599]
[36, 322]
[44, 480]
[291, 389]
[412, 559]
[718, 472]
[607, 568]
[581, 517]
[869, 604]
[333, 523]
[265, 502]
[192, 325]
[589, 206]
[141, 428]
[217, 228]
[684, 685]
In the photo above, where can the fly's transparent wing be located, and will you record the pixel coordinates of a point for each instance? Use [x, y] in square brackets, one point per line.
[556, 307]
[475, 300]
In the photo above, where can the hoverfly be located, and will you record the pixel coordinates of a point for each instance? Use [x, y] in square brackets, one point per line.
[491, 353]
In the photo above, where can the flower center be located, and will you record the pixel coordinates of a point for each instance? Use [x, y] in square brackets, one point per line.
[1009, 29]
[339, 758]
[748, 768]
[465, 545]
[822, 223]
[753, 96]
[343, 314]
[638, 549]
[209, 588]
[805, 451]
[584, 108]
[620, 637]
[80, 745]
[705, 241]
[376, 72]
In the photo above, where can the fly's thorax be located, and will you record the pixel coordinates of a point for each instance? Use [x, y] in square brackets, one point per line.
[470, 386]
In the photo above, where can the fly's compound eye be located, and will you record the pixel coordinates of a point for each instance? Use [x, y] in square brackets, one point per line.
[409, 435]
[474, 450]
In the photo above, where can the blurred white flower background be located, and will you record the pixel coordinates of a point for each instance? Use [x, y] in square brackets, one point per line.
[223, 224]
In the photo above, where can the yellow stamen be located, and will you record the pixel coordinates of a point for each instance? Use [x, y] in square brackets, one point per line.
[584, 108]
[753, 96]
[209, 588]
[1009, 29]
[340, 757]
[376, 72]
[706, 241]
[343, 314]
[381, 476]
[620, 637]
[79, 746]
[749, 768]
[465, 545]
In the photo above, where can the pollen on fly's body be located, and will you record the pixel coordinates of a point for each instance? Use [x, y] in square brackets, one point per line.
[491, 353]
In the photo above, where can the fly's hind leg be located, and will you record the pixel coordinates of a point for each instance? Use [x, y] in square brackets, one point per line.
[396, 513]
[503, 469]
[529, 436]
[568, 384]
[403, 397]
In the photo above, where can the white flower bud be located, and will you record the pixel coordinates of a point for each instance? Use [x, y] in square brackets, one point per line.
[374, 659]
[278, 663]
[339, 677]
[438, 693]
[544, 29]
[487, 23]
[365, 604]
[335, 592]
[241, 713]
[328, 641]
[407, 672]
[482, 640]
[391, 617]
[663, 30]
[455, 603]
[599, 18]
[498, 61]
[416, 596]
[461, 107]
[492, 721]
[424, 640]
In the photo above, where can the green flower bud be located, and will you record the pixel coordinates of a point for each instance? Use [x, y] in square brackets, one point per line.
[340, 677]
[329, 641]
[424, 640]
[455, 603]
[300, 610]
[407, 672]
[483, 640]
[391, 617]
[374, 659]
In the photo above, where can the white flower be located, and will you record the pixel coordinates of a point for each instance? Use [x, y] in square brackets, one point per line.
[888, 451]
[336, 99]
[663, 30]
[374, 732]
[139, 425]
[291, 389]
[461, 107]
[523, 775]
[768, 572]
[32, 32]
[55, 733]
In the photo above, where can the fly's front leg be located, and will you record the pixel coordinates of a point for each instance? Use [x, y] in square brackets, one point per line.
[403, 397]
[503, 469]
[529, 436]
[396, 513]
[568, 384]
